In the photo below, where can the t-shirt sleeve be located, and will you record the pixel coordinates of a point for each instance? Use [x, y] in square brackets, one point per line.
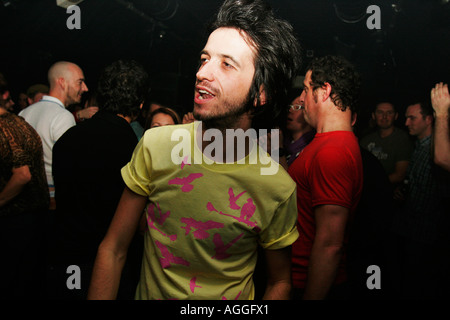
[137, 173]
[332, 178]
[282, 231]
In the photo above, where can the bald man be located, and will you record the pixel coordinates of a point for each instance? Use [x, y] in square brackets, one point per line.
[49, 116]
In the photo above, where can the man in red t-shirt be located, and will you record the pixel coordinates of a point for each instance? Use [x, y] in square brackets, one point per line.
[328, 174]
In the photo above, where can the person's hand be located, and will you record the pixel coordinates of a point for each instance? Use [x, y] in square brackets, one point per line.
[188, 118]
[87, 113]
[440, 99]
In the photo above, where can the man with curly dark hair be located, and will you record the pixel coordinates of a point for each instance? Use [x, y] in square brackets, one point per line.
[205, 221]
[86, 167]
[328, 175]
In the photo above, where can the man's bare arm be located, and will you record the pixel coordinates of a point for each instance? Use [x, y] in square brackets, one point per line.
[279, 283]
[19, 179]
[112, 252]
[326, 251]
[440, 99]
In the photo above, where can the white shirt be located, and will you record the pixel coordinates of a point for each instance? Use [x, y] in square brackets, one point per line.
[50, 119]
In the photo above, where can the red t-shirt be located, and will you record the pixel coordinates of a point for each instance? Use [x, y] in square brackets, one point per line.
[328, 171]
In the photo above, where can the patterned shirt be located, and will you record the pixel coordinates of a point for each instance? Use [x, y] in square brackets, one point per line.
[428, 186]
[20, 146]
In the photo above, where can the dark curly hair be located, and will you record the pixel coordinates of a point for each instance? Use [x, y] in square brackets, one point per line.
[122, 88]
[341, 75]
[278, 57]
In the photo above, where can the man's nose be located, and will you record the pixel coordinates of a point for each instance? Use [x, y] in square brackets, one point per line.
[206, 72]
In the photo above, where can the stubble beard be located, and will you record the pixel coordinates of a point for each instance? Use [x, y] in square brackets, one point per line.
[229, 118]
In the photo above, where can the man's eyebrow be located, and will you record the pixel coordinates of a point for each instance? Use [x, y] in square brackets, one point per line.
[226, 56]
[232, 59]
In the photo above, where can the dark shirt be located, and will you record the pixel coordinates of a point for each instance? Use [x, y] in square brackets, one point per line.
[427, 191]
[20, 145]
[87, 161]
[294, 148]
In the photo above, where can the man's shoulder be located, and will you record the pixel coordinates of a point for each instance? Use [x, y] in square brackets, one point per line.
[369, 138]
[44, 108]
[171, 134]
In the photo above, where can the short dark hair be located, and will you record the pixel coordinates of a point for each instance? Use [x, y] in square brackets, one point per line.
[384, 102]
[341, 75]
[122, 87]
[278, 54]
[426, 109]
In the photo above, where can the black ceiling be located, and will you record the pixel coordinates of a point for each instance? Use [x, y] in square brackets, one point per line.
[405, 57]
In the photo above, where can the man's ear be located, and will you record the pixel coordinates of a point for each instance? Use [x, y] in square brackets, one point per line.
[262, 97]
[354, 118]
[326, 91]
[62, 83]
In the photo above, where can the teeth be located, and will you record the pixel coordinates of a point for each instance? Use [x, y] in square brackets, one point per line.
[204, 92]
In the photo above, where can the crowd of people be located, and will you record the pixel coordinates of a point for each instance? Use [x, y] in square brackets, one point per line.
[89, 178]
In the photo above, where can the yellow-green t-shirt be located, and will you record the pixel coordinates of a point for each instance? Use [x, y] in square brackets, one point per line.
[204, 221]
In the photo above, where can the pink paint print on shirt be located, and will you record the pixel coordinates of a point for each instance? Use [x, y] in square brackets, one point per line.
[168, 258]
[247, 212]
[185, 162]
[200, 226]
[221, 248]
[192, 284]
[233, 199]
[186, 181]
[152, 218]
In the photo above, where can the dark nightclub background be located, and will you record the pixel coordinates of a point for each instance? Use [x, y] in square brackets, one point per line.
[400, 61]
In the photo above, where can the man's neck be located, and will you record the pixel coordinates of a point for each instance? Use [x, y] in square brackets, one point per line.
[386, 132]
[335, 122]
[229, 142]
[331, 118]
[58, 95]
[127, 118]
[3, 111]
[426, 134]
